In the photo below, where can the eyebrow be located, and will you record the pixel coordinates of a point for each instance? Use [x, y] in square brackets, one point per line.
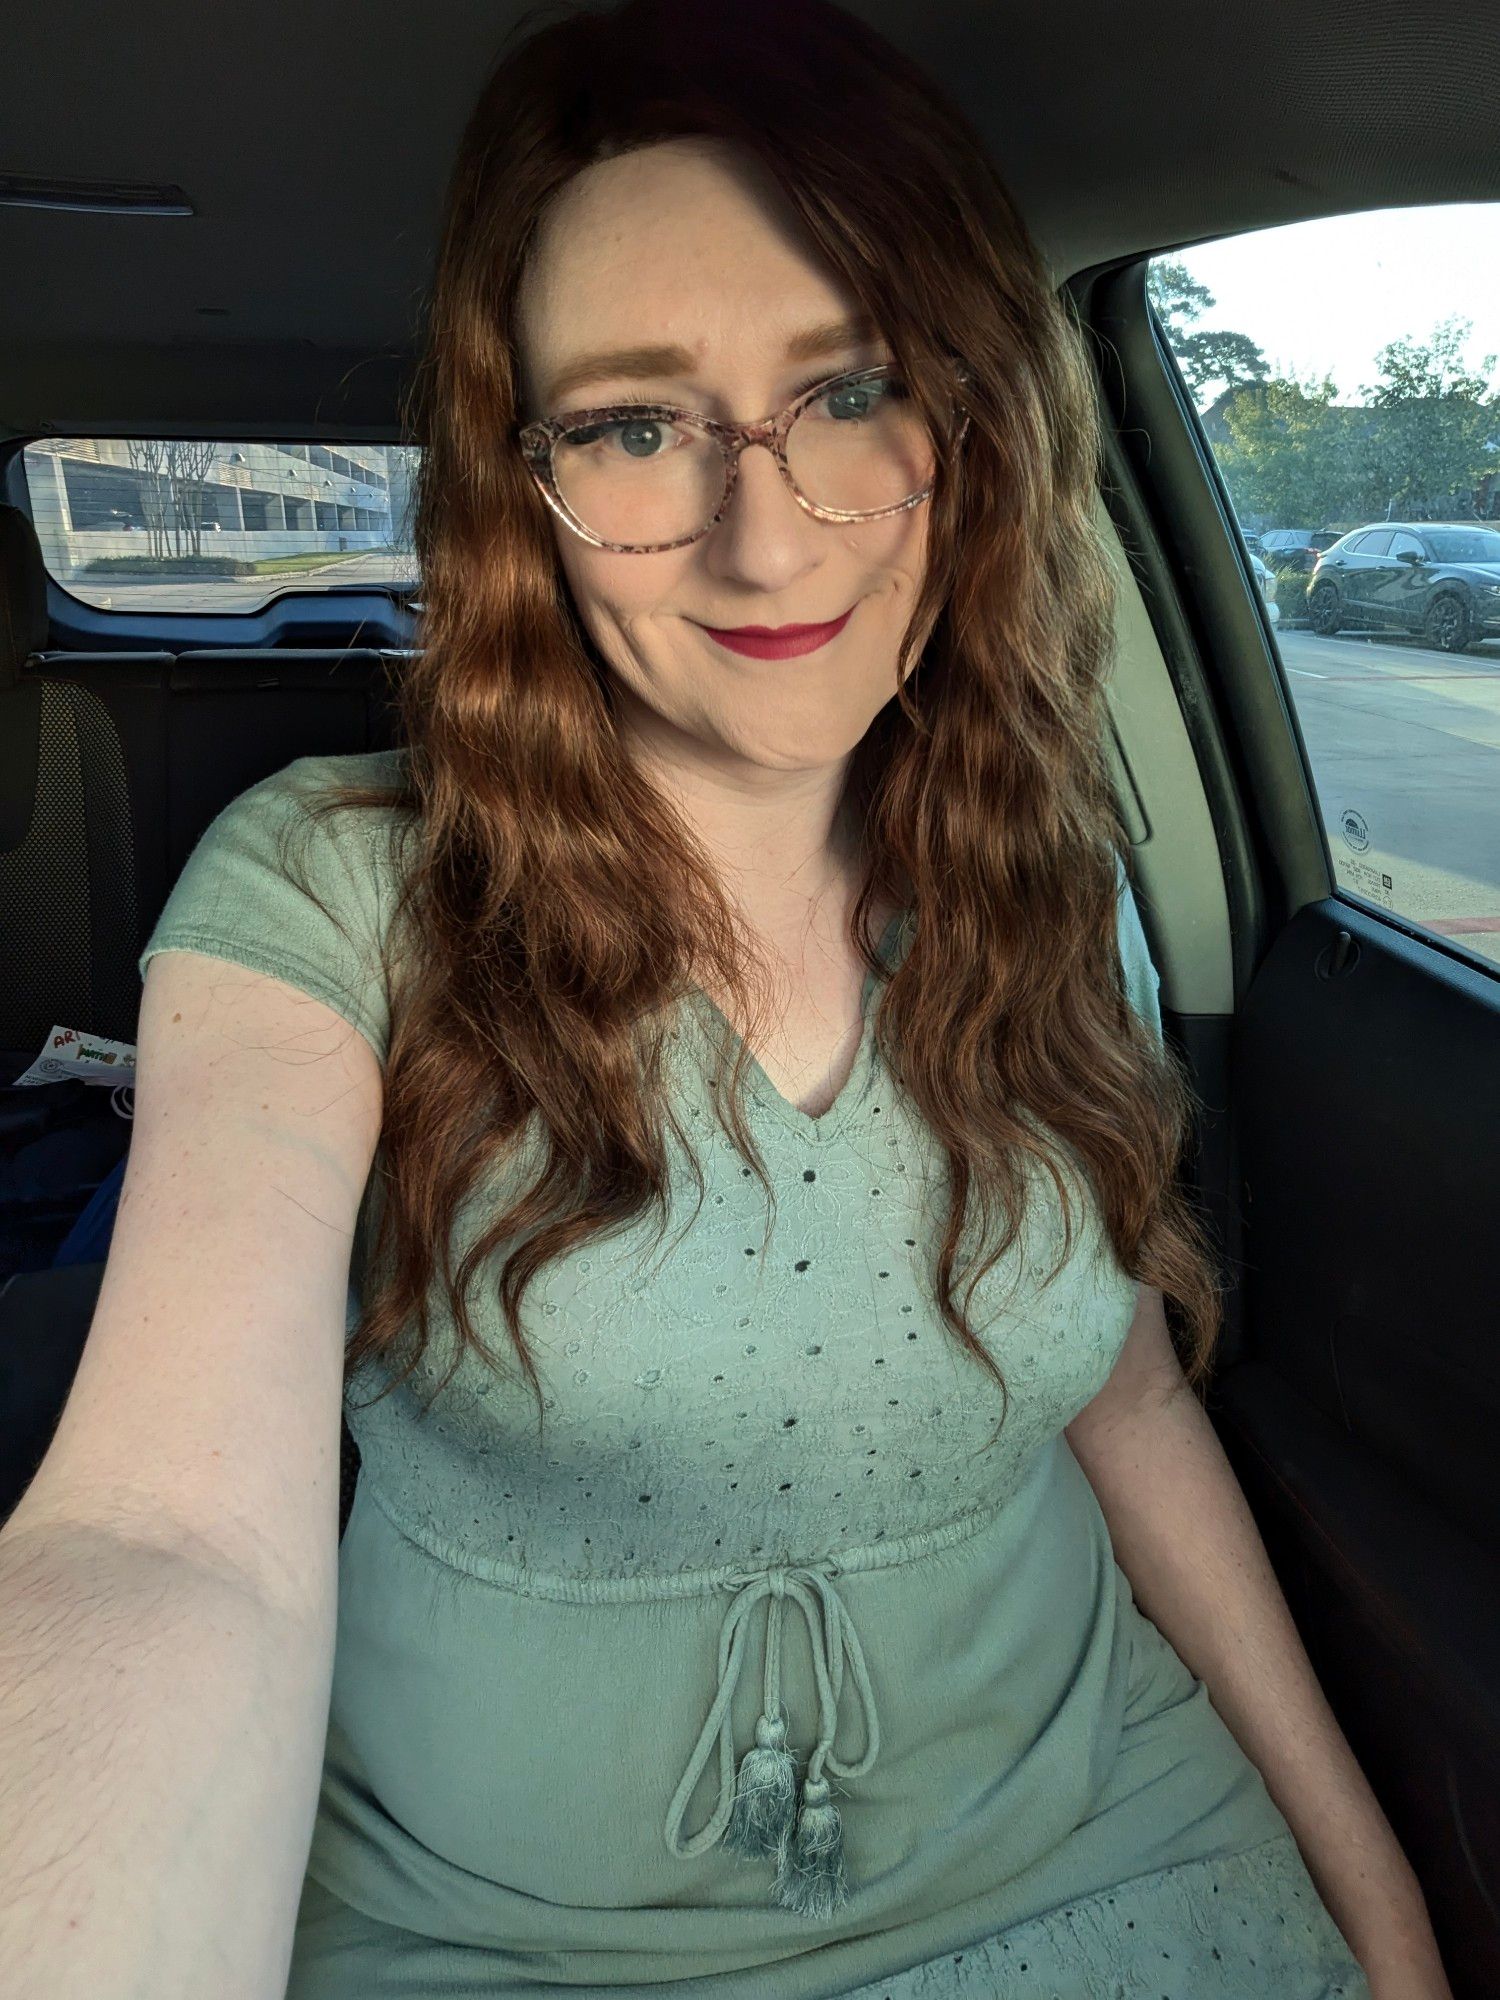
[637, 364]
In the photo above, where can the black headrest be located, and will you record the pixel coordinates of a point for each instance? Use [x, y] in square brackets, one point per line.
[23, 594]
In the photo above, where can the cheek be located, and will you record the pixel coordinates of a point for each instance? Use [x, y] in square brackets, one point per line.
[612, 592]
[899, 552]
[914, 548]
[602, 599]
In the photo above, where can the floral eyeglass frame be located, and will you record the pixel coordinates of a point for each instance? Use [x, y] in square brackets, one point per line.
[537, 438]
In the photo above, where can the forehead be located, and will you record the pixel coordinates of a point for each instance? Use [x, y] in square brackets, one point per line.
[686, 244]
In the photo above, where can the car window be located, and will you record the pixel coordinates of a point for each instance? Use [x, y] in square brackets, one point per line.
[185, 524]
[1344, 374]
[1406, 545]
[1465, 545]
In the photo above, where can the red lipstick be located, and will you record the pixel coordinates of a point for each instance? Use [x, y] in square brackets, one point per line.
[778, 642]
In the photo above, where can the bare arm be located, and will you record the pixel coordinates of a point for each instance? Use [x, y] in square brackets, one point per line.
[168, 1583]
[161, 1735]
[1185, 1537]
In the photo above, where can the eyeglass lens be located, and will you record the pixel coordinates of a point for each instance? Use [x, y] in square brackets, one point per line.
[856, 448]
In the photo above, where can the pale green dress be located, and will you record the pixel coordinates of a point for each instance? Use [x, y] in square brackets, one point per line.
[761, 1513]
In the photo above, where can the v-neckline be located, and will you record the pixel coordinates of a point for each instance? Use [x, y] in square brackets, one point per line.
[817, 1130]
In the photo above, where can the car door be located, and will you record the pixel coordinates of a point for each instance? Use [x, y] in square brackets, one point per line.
[1405, 585]
[1362, 571]
[1318, 854]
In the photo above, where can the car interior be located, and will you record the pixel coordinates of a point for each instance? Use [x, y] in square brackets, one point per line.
[191, 263]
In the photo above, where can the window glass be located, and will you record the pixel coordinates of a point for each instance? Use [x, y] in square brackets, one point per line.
[1344, 376]
[1406, 545]
[173, 524]
[1465, 546]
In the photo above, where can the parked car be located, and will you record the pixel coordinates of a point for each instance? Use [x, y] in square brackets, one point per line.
[1296, 548]
[1436, 580]
[1265, 576]
[1276, 540]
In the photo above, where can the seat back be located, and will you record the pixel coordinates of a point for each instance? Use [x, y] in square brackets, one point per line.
[112, 765]
[69, 914]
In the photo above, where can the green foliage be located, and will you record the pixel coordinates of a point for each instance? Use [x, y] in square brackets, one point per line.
[1204, 358]
[1438, 433]
[1291, 593]
[187, 564]
[144, 565]
[1420, 446]
[1286, 451]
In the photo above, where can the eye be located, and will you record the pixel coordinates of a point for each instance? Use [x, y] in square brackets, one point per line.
[854, 401]
[856, 398]
[644, 430]
[876, 385]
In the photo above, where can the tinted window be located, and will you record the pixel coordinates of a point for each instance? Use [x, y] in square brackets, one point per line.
[1478, 545]
[172, 524]
[1345, 375]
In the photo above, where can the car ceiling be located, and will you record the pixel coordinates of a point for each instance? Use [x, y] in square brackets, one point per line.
[313, 142]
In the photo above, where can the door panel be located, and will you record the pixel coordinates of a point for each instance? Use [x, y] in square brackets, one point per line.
[1362, 1425]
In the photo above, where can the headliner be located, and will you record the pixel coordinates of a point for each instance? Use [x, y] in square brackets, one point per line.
[314, 143]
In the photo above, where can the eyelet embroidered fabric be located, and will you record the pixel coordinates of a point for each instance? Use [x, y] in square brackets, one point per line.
[758, 1671]
[1242, 1926]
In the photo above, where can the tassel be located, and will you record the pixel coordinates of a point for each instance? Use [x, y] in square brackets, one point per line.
[811, 1879]
[760, 1819]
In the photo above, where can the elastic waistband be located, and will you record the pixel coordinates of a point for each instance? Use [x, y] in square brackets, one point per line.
[884, 1552]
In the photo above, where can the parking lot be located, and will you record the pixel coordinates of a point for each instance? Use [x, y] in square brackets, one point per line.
[1404, 742]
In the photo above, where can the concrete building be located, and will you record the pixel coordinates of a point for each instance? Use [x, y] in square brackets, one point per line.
[170, 503]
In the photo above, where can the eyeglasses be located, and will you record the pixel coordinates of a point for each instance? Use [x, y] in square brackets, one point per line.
[638, 478]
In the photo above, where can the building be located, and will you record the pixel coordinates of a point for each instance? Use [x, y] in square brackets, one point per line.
[170, 503]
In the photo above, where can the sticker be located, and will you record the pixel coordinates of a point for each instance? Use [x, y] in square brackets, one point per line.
[71, 1056]
[1370, 882]
[1356, 833]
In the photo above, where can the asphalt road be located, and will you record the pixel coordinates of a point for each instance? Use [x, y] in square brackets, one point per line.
[1404, 746]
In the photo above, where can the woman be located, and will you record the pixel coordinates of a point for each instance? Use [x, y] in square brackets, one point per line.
[786, 1655]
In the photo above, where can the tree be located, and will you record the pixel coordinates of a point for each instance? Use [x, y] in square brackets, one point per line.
[1287, 451]
[402, 462]
[189, 462]
[1438, 432]
[1209, 360]
[148, 457]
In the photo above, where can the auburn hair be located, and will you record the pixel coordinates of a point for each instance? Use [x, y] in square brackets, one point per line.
[555, 908]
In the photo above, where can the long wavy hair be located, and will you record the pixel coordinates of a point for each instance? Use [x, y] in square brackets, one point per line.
[555, 908]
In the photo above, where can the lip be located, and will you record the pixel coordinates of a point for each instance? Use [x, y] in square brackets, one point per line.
[781, 642]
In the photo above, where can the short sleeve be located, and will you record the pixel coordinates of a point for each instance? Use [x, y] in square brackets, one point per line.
[1142, 981]
[250, 892]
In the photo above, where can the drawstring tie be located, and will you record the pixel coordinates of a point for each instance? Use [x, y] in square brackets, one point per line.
[760, 1818]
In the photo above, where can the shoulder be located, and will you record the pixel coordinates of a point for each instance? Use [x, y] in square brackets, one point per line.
[306, 799]
[312, 780]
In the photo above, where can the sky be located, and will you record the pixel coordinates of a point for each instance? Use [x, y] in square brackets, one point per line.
[1324, 297]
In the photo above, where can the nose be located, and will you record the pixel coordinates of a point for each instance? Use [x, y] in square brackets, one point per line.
[759, 479]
